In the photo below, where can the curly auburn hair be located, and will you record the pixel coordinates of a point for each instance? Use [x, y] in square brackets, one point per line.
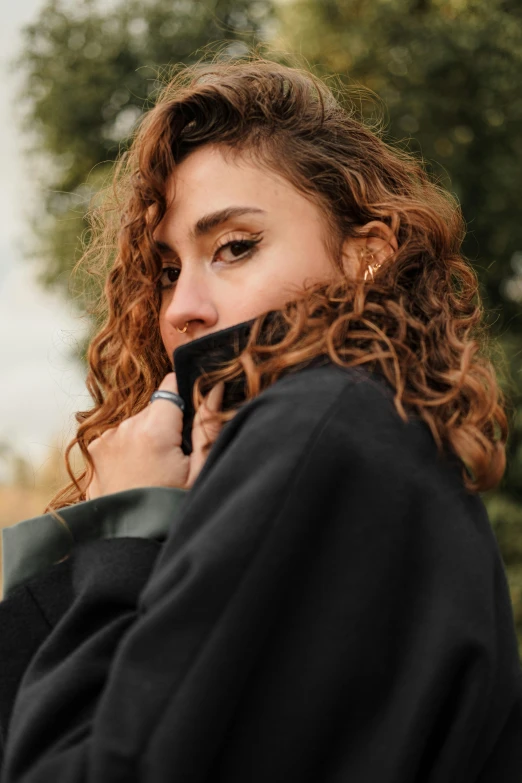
[419, 321]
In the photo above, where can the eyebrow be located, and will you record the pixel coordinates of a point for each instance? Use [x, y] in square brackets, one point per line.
[209, 222]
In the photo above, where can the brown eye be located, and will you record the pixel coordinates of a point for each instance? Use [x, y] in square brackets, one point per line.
[168, 277]
[240, 249]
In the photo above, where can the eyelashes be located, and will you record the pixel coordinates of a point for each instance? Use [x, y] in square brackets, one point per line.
[170, 273]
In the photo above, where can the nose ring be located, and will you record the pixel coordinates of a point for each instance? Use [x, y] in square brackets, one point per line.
[182, 330]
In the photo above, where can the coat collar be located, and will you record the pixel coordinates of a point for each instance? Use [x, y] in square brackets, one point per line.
[207, 353]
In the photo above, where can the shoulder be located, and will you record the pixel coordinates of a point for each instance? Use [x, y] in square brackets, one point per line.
[350, 408]
[332, 422]
[330, 429]
[383, 477]
[325, 389]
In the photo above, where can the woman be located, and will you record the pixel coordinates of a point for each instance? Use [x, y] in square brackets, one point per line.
[319, 596]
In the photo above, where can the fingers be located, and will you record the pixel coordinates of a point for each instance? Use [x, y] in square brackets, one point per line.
[142, 450]
[204, 431]
[169, 382]
[166, 410]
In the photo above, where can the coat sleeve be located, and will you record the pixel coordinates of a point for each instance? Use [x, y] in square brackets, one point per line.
[326, 609]
[125, 530]
[32, 546]
[24, 625]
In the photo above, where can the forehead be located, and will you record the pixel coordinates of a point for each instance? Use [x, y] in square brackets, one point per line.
[214, 170]
[211, 180]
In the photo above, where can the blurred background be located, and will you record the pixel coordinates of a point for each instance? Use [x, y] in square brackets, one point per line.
[76, 76]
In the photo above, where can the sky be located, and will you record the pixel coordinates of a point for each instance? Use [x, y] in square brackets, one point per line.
[40, 386]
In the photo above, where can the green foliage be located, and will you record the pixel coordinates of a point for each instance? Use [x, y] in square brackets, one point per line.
[448, 75]
[91, 70]
[447, 72]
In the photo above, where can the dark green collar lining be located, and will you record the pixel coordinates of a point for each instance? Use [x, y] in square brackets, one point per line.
[31, 546]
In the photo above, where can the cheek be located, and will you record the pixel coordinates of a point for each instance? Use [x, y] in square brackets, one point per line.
[163, 332]
[167, 333]
[285, 275]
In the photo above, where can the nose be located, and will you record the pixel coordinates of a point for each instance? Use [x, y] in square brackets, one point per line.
[190, 300]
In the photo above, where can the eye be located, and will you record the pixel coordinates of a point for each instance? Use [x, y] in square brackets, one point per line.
[239, 248]
[168, 277]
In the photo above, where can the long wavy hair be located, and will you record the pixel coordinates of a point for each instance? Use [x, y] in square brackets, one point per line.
[420, 321]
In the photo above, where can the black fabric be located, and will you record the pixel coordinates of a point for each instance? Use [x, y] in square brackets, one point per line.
[211, 351]
[31, 611]
[330, 606]
[26, 618]
[32, 546]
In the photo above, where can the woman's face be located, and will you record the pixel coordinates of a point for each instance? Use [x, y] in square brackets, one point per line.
[236, 241]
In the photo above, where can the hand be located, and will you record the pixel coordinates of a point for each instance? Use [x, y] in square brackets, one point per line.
[145, 450]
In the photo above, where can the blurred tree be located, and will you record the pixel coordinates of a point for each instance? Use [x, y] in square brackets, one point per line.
[91, 69]
[448, 73]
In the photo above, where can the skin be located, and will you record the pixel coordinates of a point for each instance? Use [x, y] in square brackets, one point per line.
[210, 286]
[213, 287]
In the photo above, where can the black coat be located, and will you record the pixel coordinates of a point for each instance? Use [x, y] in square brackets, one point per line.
[329, 605]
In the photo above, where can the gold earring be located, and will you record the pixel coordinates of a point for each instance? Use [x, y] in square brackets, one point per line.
[183, 330]
[371, 267]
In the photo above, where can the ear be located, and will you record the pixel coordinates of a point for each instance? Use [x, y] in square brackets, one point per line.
[379, 240]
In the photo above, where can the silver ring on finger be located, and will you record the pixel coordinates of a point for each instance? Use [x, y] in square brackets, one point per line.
[162, 394]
